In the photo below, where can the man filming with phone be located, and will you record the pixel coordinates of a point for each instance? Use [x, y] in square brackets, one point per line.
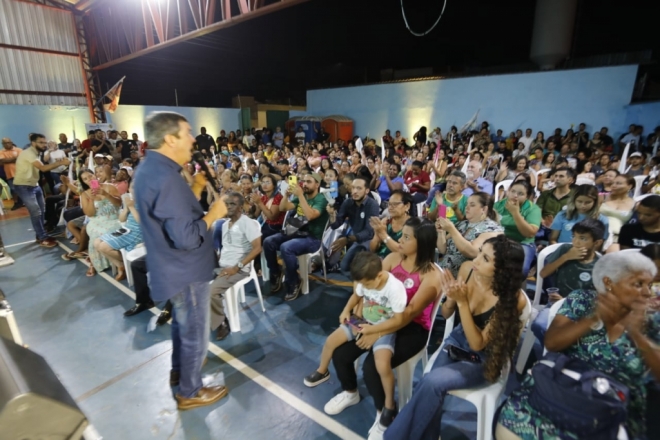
[26, 182]
[303, 233]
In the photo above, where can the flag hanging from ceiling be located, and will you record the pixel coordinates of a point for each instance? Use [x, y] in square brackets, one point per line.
[112, 94]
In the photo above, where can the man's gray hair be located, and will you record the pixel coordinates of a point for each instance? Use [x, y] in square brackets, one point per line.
[238, 196]
[618, 265]
[477, 163]
[160, 124]
[460, 174]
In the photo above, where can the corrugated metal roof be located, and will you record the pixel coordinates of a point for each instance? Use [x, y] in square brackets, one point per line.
[31, 25]
[40, 72]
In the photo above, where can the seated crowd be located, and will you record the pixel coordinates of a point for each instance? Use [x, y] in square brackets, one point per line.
[456, 221]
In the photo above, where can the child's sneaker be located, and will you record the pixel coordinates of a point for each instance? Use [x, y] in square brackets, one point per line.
[316, 378]
[386, 418]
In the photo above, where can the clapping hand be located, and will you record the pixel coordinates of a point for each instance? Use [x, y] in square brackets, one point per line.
[504, 166]
[455, 290]
[442, 224]
[438, 197]
[255, 198]
[379, 226]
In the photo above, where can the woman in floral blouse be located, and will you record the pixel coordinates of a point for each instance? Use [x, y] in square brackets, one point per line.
[613, 330]
[461, 242]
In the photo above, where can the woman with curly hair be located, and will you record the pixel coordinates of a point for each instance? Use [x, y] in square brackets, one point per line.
[488, 306]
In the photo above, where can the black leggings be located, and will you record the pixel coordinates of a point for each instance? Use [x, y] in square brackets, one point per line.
[409, 341]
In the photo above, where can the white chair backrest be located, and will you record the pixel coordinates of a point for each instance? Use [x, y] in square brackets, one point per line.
[584, 181]
[540, 262]
[639, 181]
[505, 184]
[631, 250]
[376, 197]
[553, 311]
[642, 197]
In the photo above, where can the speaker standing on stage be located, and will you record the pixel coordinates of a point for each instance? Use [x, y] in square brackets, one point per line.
[180, 256]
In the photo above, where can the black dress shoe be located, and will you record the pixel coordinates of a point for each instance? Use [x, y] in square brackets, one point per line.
[138, 308]
[164, 316]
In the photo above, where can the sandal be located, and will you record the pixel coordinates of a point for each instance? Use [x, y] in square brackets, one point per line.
[91, 271]
[78, 255]
[74, 241]
[68, 257]
[121, 274]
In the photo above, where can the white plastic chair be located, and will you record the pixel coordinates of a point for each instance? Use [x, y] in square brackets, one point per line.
[137, 252]
[236, 294]
[484, 398]
[420, 209]
[584, 181]
[639, 182]
[528, 342]
[406, 371]
[376, 197]
[642, 197]
[539, 173]
[551, 315]
[505, 184]
[303, 265]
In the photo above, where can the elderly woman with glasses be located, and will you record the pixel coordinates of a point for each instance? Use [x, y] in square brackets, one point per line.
[388, 231]
[613, 330]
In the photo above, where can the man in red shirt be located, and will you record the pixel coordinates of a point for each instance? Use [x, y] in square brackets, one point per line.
[86, 145]
[418, 182]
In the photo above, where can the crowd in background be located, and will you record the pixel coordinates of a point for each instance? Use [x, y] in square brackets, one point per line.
[455, 219]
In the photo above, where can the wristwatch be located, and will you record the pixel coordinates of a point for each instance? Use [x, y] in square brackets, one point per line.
[387, 239]
[240, 265]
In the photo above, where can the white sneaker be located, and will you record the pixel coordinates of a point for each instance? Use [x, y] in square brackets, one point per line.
[340, 402]
[375, 422]
[377, 432]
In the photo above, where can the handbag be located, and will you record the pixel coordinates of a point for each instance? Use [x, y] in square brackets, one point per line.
[577, 398]
[294, 226]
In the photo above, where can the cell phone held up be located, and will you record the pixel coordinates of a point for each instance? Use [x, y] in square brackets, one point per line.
[442, 211]
[293, 180]
[94, 185]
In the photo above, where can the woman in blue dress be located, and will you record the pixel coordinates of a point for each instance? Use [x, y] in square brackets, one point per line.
[126, 237]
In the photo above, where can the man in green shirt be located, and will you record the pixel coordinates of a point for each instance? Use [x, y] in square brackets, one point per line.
[311, 205]
[26, 182]
[553, 201]
[453, 198]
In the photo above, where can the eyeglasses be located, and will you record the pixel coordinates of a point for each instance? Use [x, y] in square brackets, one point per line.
[394, 204]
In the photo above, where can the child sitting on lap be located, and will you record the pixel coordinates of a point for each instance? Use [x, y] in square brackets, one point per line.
[384, 299]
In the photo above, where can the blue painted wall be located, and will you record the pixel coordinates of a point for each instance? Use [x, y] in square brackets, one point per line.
[541, 101]
[131, 118]
[17, 121]
[646, 115]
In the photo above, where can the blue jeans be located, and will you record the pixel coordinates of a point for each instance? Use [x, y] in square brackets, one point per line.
[540, 326]
[191, 318]
[33, 198]
[290, 248]
[420, 418]
[351, 252]
[530, 255]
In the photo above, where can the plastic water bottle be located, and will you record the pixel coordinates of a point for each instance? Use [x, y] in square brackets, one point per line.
[335, 189]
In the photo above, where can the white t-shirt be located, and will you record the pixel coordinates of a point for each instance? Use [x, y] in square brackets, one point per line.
[247, 140]
[237, 241]
[300, 137]
[54, 156]
[381, 305]
[527, 141]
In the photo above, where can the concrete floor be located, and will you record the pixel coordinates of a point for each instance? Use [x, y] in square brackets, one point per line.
[118, 372]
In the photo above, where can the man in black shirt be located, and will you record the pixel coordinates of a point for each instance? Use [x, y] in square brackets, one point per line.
[204, 141]
[64, 145]
[222, 139]
[125, 145]
[647, 229]
[100, 144]
[283, 166]
[321, 135]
